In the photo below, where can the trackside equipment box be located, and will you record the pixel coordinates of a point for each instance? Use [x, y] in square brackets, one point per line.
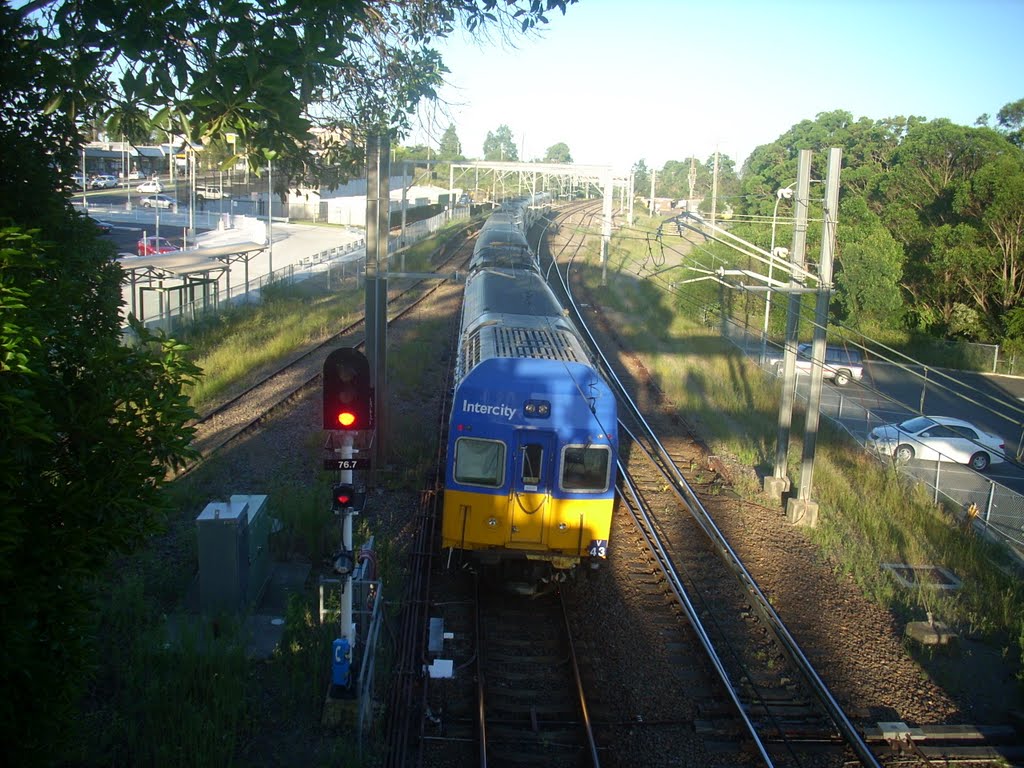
[234, 561]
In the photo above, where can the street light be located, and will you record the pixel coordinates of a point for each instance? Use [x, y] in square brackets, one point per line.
[780, 194]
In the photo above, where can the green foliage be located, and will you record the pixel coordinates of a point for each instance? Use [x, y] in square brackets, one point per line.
[641, 178]
[450, 147]
[929, 219]
[558, 153]
[501, 145]
[89, 429]
[869, 265]
[270, 73]
[1010, 120]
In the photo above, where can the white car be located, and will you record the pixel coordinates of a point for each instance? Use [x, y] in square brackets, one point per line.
[153, 187]
[938, 438]
[157, 201]
[103, 182]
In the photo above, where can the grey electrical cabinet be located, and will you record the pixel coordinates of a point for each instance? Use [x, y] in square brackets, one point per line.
[259, 545]
[223, 531]
[234, 556]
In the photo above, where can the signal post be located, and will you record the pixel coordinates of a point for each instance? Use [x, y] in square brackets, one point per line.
[348, 409]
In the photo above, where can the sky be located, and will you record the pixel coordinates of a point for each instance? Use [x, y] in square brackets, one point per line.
[660, 80]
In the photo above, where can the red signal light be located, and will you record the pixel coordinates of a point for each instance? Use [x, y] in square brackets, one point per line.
[347, 394]
[345, 497]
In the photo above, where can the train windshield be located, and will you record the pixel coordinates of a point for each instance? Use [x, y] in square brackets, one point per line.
[479, 462]
[586, 467]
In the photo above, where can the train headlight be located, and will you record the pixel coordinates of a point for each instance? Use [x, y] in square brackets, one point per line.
[537, 409]
[562, 527]
[492, 522]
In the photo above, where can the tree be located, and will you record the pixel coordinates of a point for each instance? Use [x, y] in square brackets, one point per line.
[869, 266]
[1010, 120]
[641, 178]
[451, 147]
[89, 426]
[558, 153]
[500, 145]
[993, 199]
[267, 72]
[926, 202]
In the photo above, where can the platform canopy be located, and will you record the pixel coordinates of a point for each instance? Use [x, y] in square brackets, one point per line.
[187, 269]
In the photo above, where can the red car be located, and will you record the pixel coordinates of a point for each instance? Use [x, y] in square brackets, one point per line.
[150, 246]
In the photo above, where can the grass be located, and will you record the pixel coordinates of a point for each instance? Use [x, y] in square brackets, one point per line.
[231, 345]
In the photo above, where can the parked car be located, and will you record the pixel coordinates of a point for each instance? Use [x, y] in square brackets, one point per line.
[103, 182]
[150, 246]
[151, 187]
[938, 438]
[841, 364]
[210, 193]
[102, 226]
[157, 201]
[132, 175]
[79, 180]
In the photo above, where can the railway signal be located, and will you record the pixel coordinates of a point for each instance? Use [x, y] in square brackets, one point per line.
[345, 498]
[348, 396]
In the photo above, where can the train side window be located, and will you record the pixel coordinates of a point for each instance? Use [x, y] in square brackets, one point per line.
[586, 467]
[533, 456]
[479, 462]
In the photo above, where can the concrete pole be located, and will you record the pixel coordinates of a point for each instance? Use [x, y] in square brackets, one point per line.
[380, 357]
[714, 189]
[778, 483]
[270, 217]
[801, 509]
[629, 198]
[372, 265]
[654, 181]
[606, 226]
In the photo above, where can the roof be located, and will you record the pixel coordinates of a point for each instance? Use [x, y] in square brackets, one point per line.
[193, 260]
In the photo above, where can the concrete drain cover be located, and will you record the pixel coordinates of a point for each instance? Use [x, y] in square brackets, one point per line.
[934, 576]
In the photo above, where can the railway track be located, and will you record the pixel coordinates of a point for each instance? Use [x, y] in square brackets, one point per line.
[504, 687]
[533, 710]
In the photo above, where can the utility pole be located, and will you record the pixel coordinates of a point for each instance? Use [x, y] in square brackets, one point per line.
[378, 213]
[801, 509]
[778, 483]
[654, 179]
[606, 227]
[692, 178]
[630, 197]
[714, 190]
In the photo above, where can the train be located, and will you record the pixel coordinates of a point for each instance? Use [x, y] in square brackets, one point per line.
[530, 474]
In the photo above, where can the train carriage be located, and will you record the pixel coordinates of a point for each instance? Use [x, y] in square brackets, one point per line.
[530, 475]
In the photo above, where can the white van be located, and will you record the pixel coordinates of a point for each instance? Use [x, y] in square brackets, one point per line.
[210, 193]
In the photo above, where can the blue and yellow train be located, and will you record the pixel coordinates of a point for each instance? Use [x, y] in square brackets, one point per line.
[532, 443]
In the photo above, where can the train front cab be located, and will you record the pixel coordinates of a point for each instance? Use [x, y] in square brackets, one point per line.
[531, 495]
